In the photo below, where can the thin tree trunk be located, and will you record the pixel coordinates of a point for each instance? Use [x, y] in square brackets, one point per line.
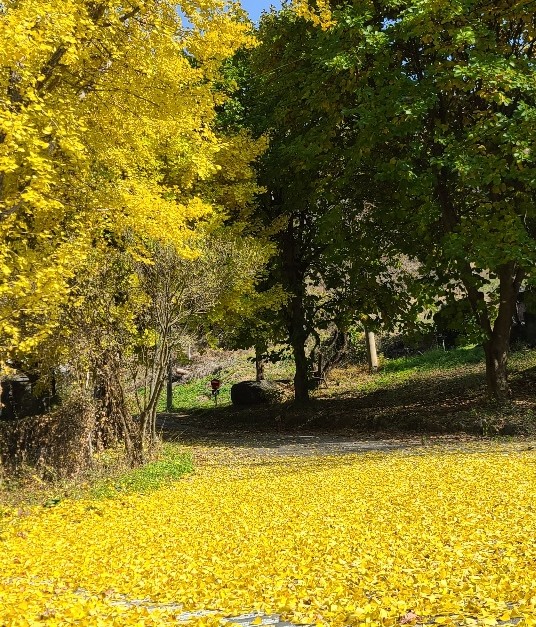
[169, 388]
[133, 436]
[301, 377]
[158, 377]
[53, 386]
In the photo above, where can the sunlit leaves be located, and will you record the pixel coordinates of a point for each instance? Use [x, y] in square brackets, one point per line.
[353, 540]
[107, 112]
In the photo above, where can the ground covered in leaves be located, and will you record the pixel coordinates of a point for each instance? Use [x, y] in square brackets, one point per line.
[416, 535]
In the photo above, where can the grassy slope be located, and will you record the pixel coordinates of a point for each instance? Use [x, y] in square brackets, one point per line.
[196, 394]
[439, 391]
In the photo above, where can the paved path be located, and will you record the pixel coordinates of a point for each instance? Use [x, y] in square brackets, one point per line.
[183, 429]
[244, 620]
[254, 618]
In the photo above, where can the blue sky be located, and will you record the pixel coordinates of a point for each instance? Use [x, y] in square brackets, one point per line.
[255, 7]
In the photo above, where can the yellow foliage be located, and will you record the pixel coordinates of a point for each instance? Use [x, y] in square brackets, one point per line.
[106, 116]
[319, 13]
[352, 540]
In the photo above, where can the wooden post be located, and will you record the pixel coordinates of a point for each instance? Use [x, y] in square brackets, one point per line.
[372, 355]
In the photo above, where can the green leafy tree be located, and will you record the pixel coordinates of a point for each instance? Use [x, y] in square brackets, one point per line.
[334, 262]
[437, 105]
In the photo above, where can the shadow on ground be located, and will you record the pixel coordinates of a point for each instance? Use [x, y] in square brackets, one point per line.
[445, 403]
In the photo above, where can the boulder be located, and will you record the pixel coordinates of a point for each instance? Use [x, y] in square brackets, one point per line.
[180, 375]
[248, 393]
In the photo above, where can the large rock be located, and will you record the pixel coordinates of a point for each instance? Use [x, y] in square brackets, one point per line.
[248, 393]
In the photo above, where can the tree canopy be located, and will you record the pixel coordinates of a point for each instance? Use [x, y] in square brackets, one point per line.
[106, 129]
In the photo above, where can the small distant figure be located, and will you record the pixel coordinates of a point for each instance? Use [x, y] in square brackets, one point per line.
[215, 385]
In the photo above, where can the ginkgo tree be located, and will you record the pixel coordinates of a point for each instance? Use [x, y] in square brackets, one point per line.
[106, 128]
[454, 105]
[109, 151]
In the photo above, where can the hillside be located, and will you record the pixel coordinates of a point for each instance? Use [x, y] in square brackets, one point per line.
[436, 392]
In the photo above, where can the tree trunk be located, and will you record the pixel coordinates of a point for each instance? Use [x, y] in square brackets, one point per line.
[301, 378]
[293, 279]
[497, 346]
[53, 386]
[169, 388]
[133, 435]
[156, 387]
[497, 342]
[372, 355]
[259, 363]
[113, 421]
[496, 371]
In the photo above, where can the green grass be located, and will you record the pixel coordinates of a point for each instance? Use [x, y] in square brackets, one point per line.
[393, 372]
[404, 369]
[196, 394]
[436, 359]
[171, 465]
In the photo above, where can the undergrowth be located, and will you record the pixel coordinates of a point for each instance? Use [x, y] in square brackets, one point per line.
[170, 466]
[441, 392]
[396, 371]
[196, 394]
[109, 477]
[436, 359]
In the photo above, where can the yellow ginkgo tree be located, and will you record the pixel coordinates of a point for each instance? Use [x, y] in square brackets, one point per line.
[107, 113]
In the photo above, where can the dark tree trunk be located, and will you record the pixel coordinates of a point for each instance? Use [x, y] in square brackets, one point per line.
[133, 441]
[301, 378]
[496, 371]
[260, 362]
[53, 386]
[497, 346]
[293, 278]
[111, 415]
[113, 420]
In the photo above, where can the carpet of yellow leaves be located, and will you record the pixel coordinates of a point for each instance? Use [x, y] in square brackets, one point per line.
[349, 540]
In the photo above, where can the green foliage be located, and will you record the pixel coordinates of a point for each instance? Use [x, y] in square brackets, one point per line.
[407, 129]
